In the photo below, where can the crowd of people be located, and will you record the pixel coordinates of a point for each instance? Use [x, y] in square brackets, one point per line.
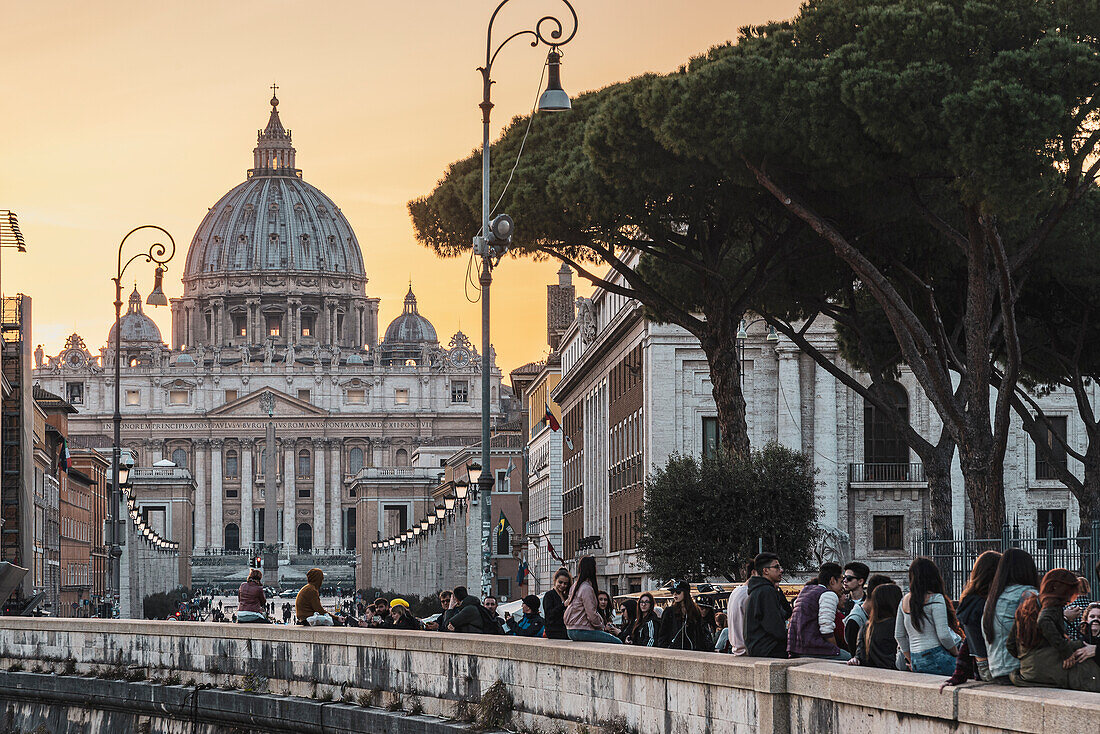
[1008, 625]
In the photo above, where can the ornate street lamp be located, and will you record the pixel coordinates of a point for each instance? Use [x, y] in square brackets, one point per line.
[448, 504]
[495, 237]
[159, 254]
[462, 487]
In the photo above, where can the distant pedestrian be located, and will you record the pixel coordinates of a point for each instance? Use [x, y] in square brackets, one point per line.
[553, 606]
[767, 610]
[582, 617]
[812, 632]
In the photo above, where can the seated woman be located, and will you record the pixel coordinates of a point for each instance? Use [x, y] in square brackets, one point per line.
[925, 623]
[402, 618]
[877, 647]
[251, 600]
[1038, 639]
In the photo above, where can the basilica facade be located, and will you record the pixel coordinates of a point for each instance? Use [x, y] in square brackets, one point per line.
[275, 301]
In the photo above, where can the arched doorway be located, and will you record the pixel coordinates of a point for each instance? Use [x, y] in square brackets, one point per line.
[232, 537]
[305, 538]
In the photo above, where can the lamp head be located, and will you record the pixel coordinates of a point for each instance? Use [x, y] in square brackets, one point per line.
[473, 469]
[156, 296]
[448, 503]
[440, 512]
[554, 99]
[772, 336]
[461, 488]
[742, 333]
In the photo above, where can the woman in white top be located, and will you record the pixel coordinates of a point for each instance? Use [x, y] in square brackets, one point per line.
[924, 623]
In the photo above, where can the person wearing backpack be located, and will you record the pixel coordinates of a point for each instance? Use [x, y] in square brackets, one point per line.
[682, 625]
[582, 614]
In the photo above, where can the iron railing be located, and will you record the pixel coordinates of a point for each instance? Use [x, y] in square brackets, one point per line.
[886, 473]
[955, 557]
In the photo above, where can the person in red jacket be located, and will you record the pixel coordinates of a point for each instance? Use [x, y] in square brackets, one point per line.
[251, 598]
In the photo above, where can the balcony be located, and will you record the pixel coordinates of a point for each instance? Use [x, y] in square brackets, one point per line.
[900, 476]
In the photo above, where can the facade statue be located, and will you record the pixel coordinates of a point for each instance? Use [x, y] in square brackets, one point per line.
[335, 357]
[317, 354]
[288, 358]
[246, 355]
[38, 358]
[269, 351]
[586, 315]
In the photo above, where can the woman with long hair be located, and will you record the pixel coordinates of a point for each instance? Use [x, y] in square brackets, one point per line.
[582, 617]
[644, 631]
[721, 621]
[553, 606]
[1015, 579]
[1038, 638]
[923, 626]
[682, 623]
[972, 607]
[877, 647]
[628, 611]
[607, 611]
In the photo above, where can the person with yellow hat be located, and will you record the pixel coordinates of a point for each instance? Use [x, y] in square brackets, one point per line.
[401, 618]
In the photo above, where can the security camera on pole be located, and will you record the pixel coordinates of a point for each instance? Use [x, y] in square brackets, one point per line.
[496, 236]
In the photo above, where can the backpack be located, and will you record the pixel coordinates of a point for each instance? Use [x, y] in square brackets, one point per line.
[489, 623]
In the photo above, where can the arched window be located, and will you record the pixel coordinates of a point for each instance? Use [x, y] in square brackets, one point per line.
[179, 458]
[232, 465]
[305, 538]
[355, 460]
[232, 537]
[402, 457]
[303, 463]
[883, 442]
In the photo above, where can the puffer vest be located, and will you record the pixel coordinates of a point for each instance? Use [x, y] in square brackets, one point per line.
[804, 635]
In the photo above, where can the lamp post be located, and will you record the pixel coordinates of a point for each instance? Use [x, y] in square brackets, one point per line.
[160, 255]
[496, 236]
[742, 337]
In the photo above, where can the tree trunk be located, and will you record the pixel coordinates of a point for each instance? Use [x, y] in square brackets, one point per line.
[719, 342]
[1089, 497]
[983, 477]
[937, 471]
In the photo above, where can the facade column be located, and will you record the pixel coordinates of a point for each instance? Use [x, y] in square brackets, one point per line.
[202, 448]
[789, 403]
[290, 493]
[335, 494]
[825, 445]
[318, 492]
[216, 494]
[246, 491]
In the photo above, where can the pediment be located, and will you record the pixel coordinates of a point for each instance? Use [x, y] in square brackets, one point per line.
[286, 406]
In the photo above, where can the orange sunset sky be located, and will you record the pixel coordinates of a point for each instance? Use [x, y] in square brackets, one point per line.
[125, 113]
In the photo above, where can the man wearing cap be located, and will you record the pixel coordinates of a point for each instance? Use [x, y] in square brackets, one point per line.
[530, 624]
[401, 618]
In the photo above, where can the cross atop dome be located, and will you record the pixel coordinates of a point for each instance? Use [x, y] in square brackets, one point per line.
[273, 154]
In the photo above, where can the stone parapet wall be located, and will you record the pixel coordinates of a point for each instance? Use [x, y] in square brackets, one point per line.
[553, 684]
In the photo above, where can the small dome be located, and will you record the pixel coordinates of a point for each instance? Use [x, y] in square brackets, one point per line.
[137, 328]
[410, 327]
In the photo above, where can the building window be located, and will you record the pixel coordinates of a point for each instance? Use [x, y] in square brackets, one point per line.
[307, 324]
[711, 438]
[230, 492]
[305, 538]
[231, 464]
[1055, 521]
[303, 491]
[883, 442]
[355, 460]
[504, 587]
[232, 537]
[303, 463]
[401, 396]
[274, 324]
[460, 391]
[504, 540]
[74, 392]
[239, 325]
[503, 483]
[357, 396]
[1044, 469]
[179, 397]
[349, 528]
[179, 458]
[888, 533]
[395, 520]
[230, 396]
[133, 397]
[402, 458]
[303, 395]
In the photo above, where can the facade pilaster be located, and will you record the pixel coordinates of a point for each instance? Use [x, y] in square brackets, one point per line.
[202, 486]
[319, 492]
[825, 445]
[789, 408]
[290, 492]
[247, 479]
[335, 493]
[216, 494]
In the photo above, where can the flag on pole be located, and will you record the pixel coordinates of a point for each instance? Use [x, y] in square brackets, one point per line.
[503, 525]
[521, 573]
[511, 467]
[551, 420]
[63, 457]
[553, 553]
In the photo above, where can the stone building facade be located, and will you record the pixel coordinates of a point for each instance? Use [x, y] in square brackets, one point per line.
[275, 302]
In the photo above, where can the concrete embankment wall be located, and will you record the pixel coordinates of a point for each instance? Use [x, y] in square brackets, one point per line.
[554, 685]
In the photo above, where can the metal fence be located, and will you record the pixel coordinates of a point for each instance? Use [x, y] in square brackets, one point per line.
[956, 557]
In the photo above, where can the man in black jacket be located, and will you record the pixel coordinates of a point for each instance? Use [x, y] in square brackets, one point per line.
[767, 610]
[467, 615]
